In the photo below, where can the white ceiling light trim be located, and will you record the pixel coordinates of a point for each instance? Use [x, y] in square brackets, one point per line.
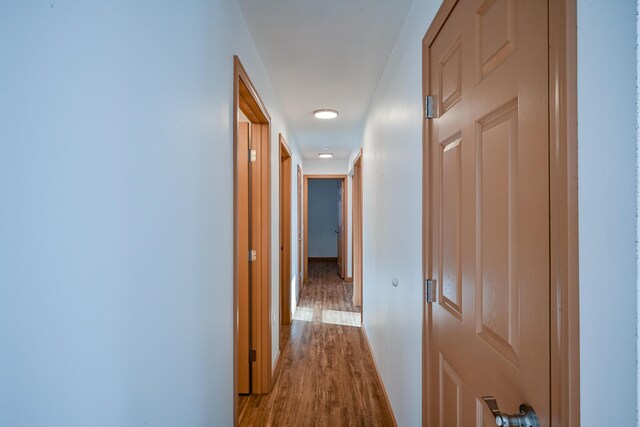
[325, 155]
[325, 114]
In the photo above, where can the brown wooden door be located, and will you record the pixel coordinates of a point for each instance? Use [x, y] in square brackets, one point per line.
[285, 237]
[489, 212]
[242, 247]
[339, 231]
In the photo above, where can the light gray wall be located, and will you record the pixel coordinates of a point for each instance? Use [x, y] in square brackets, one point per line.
[323, 217]
[607, 175]
[326, 167]
[392, 231]
[116, 210]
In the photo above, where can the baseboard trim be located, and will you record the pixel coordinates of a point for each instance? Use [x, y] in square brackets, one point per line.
[324, 259]
[378, 376]
[276, 370]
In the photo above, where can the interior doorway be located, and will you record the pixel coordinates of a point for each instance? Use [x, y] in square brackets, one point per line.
[286, 289]
[252, 219]
[330, 227]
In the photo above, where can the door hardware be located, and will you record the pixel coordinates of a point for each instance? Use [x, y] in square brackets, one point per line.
[428, 107]
[430, 290]
[526, 418]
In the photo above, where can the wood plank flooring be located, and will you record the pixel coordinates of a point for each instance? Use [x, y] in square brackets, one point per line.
[327, 376]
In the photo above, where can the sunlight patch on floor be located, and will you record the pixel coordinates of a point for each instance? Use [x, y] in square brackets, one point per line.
[303, 313]
[346, 318]
[333, 317]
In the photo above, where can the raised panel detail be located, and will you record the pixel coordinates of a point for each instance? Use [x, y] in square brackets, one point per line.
[450, 395]
[495, 34]
[451, 76]
[497, 287]
[450, 225]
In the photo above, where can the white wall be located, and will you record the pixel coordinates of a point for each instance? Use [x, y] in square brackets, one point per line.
[392, 219]
[607, 175]
[323, 218]
[116, 222]
[326, 167]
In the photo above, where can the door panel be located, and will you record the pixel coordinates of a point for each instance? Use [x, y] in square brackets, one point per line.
[285, 237]
[489, 211]
[242, 247]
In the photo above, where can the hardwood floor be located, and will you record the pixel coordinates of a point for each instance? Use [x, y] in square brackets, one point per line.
[327, 376]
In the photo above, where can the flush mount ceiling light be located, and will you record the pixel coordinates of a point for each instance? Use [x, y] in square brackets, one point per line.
[325, 155]
[325, 114]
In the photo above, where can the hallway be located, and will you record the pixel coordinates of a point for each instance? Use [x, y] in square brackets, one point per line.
[327, 374]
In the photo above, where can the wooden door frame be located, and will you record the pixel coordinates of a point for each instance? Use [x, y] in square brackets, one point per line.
[356, 232]
[246, 98]
[285, 235]
[299, 273]
[563, 156]
[345, 225]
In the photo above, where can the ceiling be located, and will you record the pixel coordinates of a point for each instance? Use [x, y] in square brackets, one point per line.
[325, 54]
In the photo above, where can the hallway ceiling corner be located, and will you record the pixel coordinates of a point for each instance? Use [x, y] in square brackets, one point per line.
[325, 54]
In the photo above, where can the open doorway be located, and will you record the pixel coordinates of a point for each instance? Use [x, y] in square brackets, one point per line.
[325, 213]
[325, 253]
[252, 240]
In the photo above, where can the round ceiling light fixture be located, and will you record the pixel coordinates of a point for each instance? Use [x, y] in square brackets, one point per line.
[325, 155]
[325, 114]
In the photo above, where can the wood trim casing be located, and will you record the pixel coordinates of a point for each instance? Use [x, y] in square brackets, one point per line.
[277, 368]
[299, 247]
[378, 376]
[246, 98]
[356, 233]
[564, 286]
[563, 158]
[306, 220]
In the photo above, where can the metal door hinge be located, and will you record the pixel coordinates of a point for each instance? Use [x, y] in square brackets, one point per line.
[428, 107]
[253, 156]
[253, 256]
[430, 290]
[252, 356]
